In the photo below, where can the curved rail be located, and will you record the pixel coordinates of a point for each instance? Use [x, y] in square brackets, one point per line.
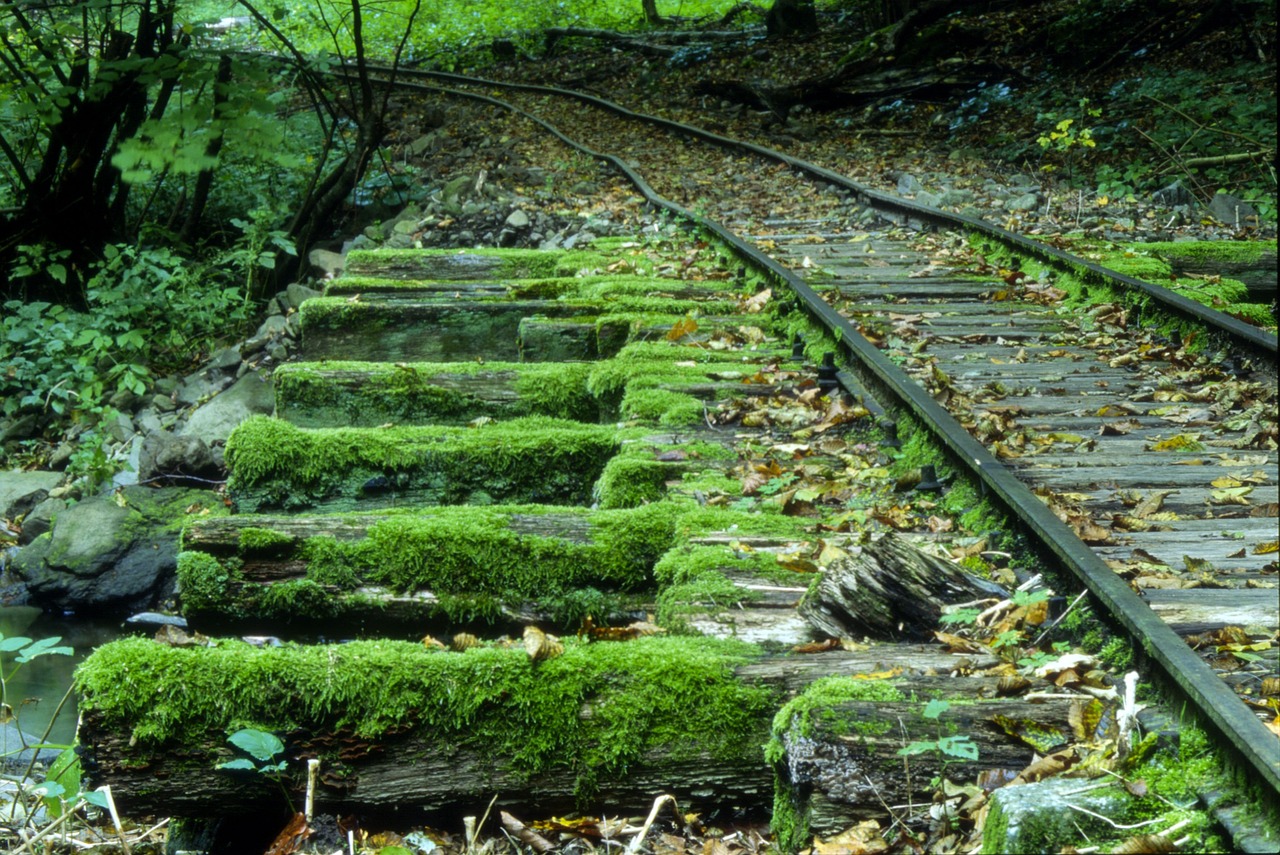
[1220, 710]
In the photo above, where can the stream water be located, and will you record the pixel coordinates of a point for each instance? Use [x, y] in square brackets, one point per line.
[35, 688]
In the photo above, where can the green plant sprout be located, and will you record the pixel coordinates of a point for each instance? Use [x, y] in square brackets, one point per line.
[960, 747]
[263, 747]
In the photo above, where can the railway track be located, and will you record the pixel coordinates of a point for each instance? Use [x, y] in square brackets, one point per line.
[1141, 443]
[1131, 446]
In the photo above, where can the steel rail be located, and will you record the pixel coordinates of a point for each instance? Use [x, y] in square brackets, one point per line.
[1220, 711]
[1244, 335]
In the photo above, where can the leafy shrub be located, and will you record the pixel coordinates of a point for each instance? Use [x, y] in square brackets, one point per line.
[147, 309]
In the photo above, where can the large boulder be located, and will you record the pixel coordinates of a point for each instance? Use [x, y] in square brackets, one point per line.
[111, 554]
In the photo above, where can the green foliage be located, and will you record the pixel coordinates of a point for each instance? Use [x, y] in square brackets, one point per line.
[147, 308]
[262, 748]
[1070, 136]
[960, 747]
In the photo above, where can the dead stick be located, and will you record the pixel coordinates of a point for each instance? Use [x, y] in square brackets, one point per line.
[313, 771]
[638, 840]
[525, 834]
[105, 789]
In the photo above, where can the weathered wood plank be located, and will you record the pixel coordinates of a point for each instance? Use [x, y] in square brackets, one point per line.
[1196, 610]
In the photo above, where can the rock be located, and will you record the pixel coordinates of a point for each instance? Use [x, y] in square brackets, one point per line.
[271, 329]
[40, 519]
[517, 219]
[1233, 210]
[327, 263]
[200, 386]
[155, 619]
[1025, 202]
[14, 753]
[1173, 195]
[214, 421]
[298, 293]
[924, 197]
[224, 360]
[23, 427]
[908, 185]
[20, 492]
[119, 427]
[165, 455]
[955, 197]
[1033, 818]
[109, 554]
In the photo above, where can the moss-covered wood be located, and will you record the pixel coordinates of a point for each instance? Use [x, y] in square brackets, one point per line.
[835, 747]
[398, 725]
[476, 264]
[275, 465]
[368, 394]
[403, 569]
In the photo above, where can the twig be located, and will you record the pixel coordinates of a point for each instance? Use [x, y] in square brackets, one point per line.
[1054, 623]
[105, 789]
[313, 772]
[638, 840]
[1112, 822]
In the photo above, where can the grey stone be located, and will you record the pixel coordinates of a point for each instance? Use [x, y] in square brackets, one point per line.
[148, 420]
[1173, 195]
[955, 197]
[1039, 817]
[199, 387]
[328, 263]
[108, 554]
[120, 427]
[40, 519]
[214, 421]
[924, 197]
[1025, 202]
[278, 352]
[14, 753]
[168, 455]
[228, 357]
[20, 492]
[908, 185]
[166, 385]
[124, 400]
[163, 403]
[299, 293]
[23, 427]
[517, 219]
[1232, 210]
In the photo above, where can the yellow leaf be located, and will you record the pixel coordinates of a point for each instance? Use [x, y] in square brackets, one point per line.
[1179, 442]
[1267, 548]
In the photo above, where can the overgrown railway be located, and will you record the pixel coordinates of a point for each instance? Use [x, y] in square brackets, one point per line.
[1129, 440]
[1139, 442]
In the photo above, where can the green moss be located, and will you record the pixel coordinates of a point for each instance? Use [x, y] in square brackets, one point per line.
[675, 695]
[512, 263]
[204, 583]
[661, 406]
[488, 553]
[264, 541]
[628, 482]
[365, 394]
[275, 464]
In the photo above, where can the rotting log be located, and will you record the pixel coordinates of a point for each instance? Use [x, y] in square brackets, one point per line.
[367, 394]
[336, 574]
[890, 589]
[274, 465]
[401, 727]
[836, 747]
[450, 264]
